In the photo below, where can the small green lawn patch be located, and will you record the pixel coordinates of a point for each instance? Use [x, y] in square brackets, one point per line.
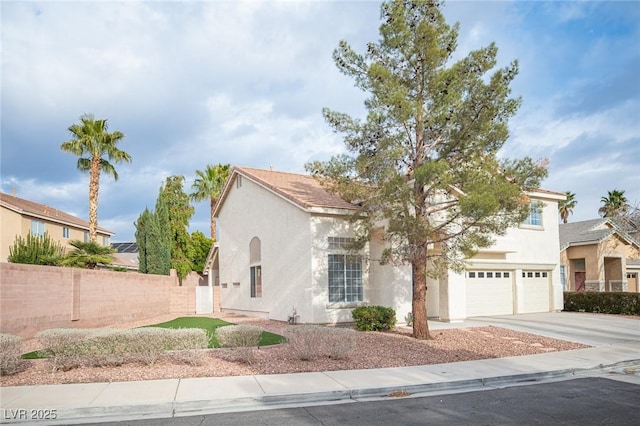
[31, 355]
[210, 325]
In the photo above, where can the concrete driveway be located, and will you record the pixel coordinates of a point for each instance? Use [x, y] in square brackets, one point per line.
[585, 328]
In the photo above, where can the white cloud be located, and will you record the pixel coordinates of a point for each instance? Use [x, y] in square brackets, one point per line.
[203, 82]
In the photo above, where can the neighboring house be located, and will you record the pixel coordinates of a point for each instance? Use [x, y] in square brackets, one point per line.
[281, 249]
[126, 255]
[597, 256]
[20, 217]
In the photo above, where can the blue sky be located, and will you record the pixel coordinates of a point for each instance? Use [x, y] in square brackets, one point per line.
[196, 83]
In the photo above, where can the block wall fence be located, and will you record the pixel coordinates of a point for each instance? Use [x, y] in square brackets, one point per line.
[35, 298]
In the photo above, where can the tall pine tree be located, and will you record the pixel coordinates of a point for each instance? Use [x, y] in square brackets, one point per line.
[142, 229]
[423, 165]
[179, 212]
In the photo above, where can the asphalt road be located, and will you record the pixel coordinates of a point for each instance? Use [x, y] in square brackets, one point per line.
[582, 401]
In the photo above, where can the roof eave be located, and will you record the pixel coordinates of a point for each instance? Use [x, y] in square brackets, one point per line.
[23, 212]
[330, 211]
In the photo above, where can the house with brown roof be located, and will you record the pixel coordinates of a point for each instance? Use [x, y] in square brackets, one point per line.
[282, 253]
[20, 217]
[597, 256]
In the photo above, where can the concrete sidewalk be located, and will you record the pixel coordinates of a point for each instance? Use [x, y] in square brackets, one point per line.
[95, 402]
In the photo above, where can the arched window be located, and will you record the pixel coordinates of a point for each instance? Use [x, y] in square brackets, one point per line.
[255, 258]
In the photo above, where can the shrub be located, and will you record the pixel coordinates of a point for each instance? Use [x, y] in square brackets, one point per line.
[190, 339]
[71, 348]
[242, 338]
[63, 346]
[10, 351]
[36, 250]
[305, 341]
[374, 318]
[605, 303]
[340, 342]
[308, 342]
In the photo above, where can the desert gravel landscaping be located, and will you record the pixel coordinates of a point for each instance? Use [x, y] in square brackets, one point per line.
[373, 350]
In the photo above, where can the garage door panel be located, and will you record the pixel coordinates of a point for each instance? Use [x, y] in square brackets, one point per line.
[535, 293]
[489, 296]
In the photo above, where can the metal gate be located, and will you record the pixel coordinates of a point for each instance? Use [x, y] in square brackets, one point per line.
[204, 299]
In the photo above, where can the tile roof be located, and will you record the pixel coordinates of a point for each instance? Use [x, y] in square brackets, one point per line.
[42, 211]
[588, 232]
[303, 190]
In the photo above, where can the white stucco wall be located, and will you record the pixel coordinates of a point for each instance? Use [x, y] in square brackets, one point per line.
[389, 285]
[530, 248]
[252, 211]
[294, 252]
[323, 227]
[294, 261]
[532, 244]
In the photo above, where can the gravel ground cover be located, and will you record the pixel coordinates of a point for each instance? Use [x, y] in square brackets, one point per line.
[373, 350]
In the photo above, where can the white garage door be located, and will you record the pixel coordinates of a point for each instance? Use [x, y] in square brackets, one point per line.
[535, 289]
[489, 293]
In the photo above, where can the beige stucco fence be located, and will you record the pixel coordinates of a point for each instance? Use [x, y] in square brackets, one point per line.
[35, 298]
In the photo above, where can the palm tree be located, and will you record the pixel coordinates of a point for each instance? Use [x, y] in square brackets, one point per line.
[88, 254]
[208, 185]
[566, 206]
[613, 204]
[92, 143]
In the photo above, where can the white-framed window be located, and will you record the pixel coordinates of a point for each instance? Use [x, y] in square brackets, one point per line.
[535, 214]
[37, 228]
[563, 277]
[345, 273]
[256, 281]
[255, 268]
[86, 236]
[106, 240]
[345, 278]
[65, 232]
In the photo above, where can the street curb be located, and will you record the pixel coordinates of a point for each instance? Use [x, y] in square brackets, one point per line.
[82, 415]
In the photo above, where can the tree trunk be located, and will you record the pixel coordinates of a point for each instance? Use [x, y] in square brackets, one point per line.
[94, 177]
[419, 305]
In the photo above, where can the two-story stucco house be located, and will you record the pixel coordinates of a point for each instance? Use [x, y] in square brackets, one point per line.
[20, 217]
[597, 256]
[282, 248]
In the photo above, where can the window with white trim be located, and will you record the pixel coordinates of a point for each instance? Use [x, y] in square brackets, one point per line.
[255, 267]
[535, 214]
[37, 228]
[345, 273]
[65, 232]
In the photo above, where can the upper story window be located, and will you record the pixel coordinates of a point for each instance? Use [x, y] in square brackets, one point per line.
[86, 236]
[535, 214]
[106, 240]
[65, 232]
[37, 228]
